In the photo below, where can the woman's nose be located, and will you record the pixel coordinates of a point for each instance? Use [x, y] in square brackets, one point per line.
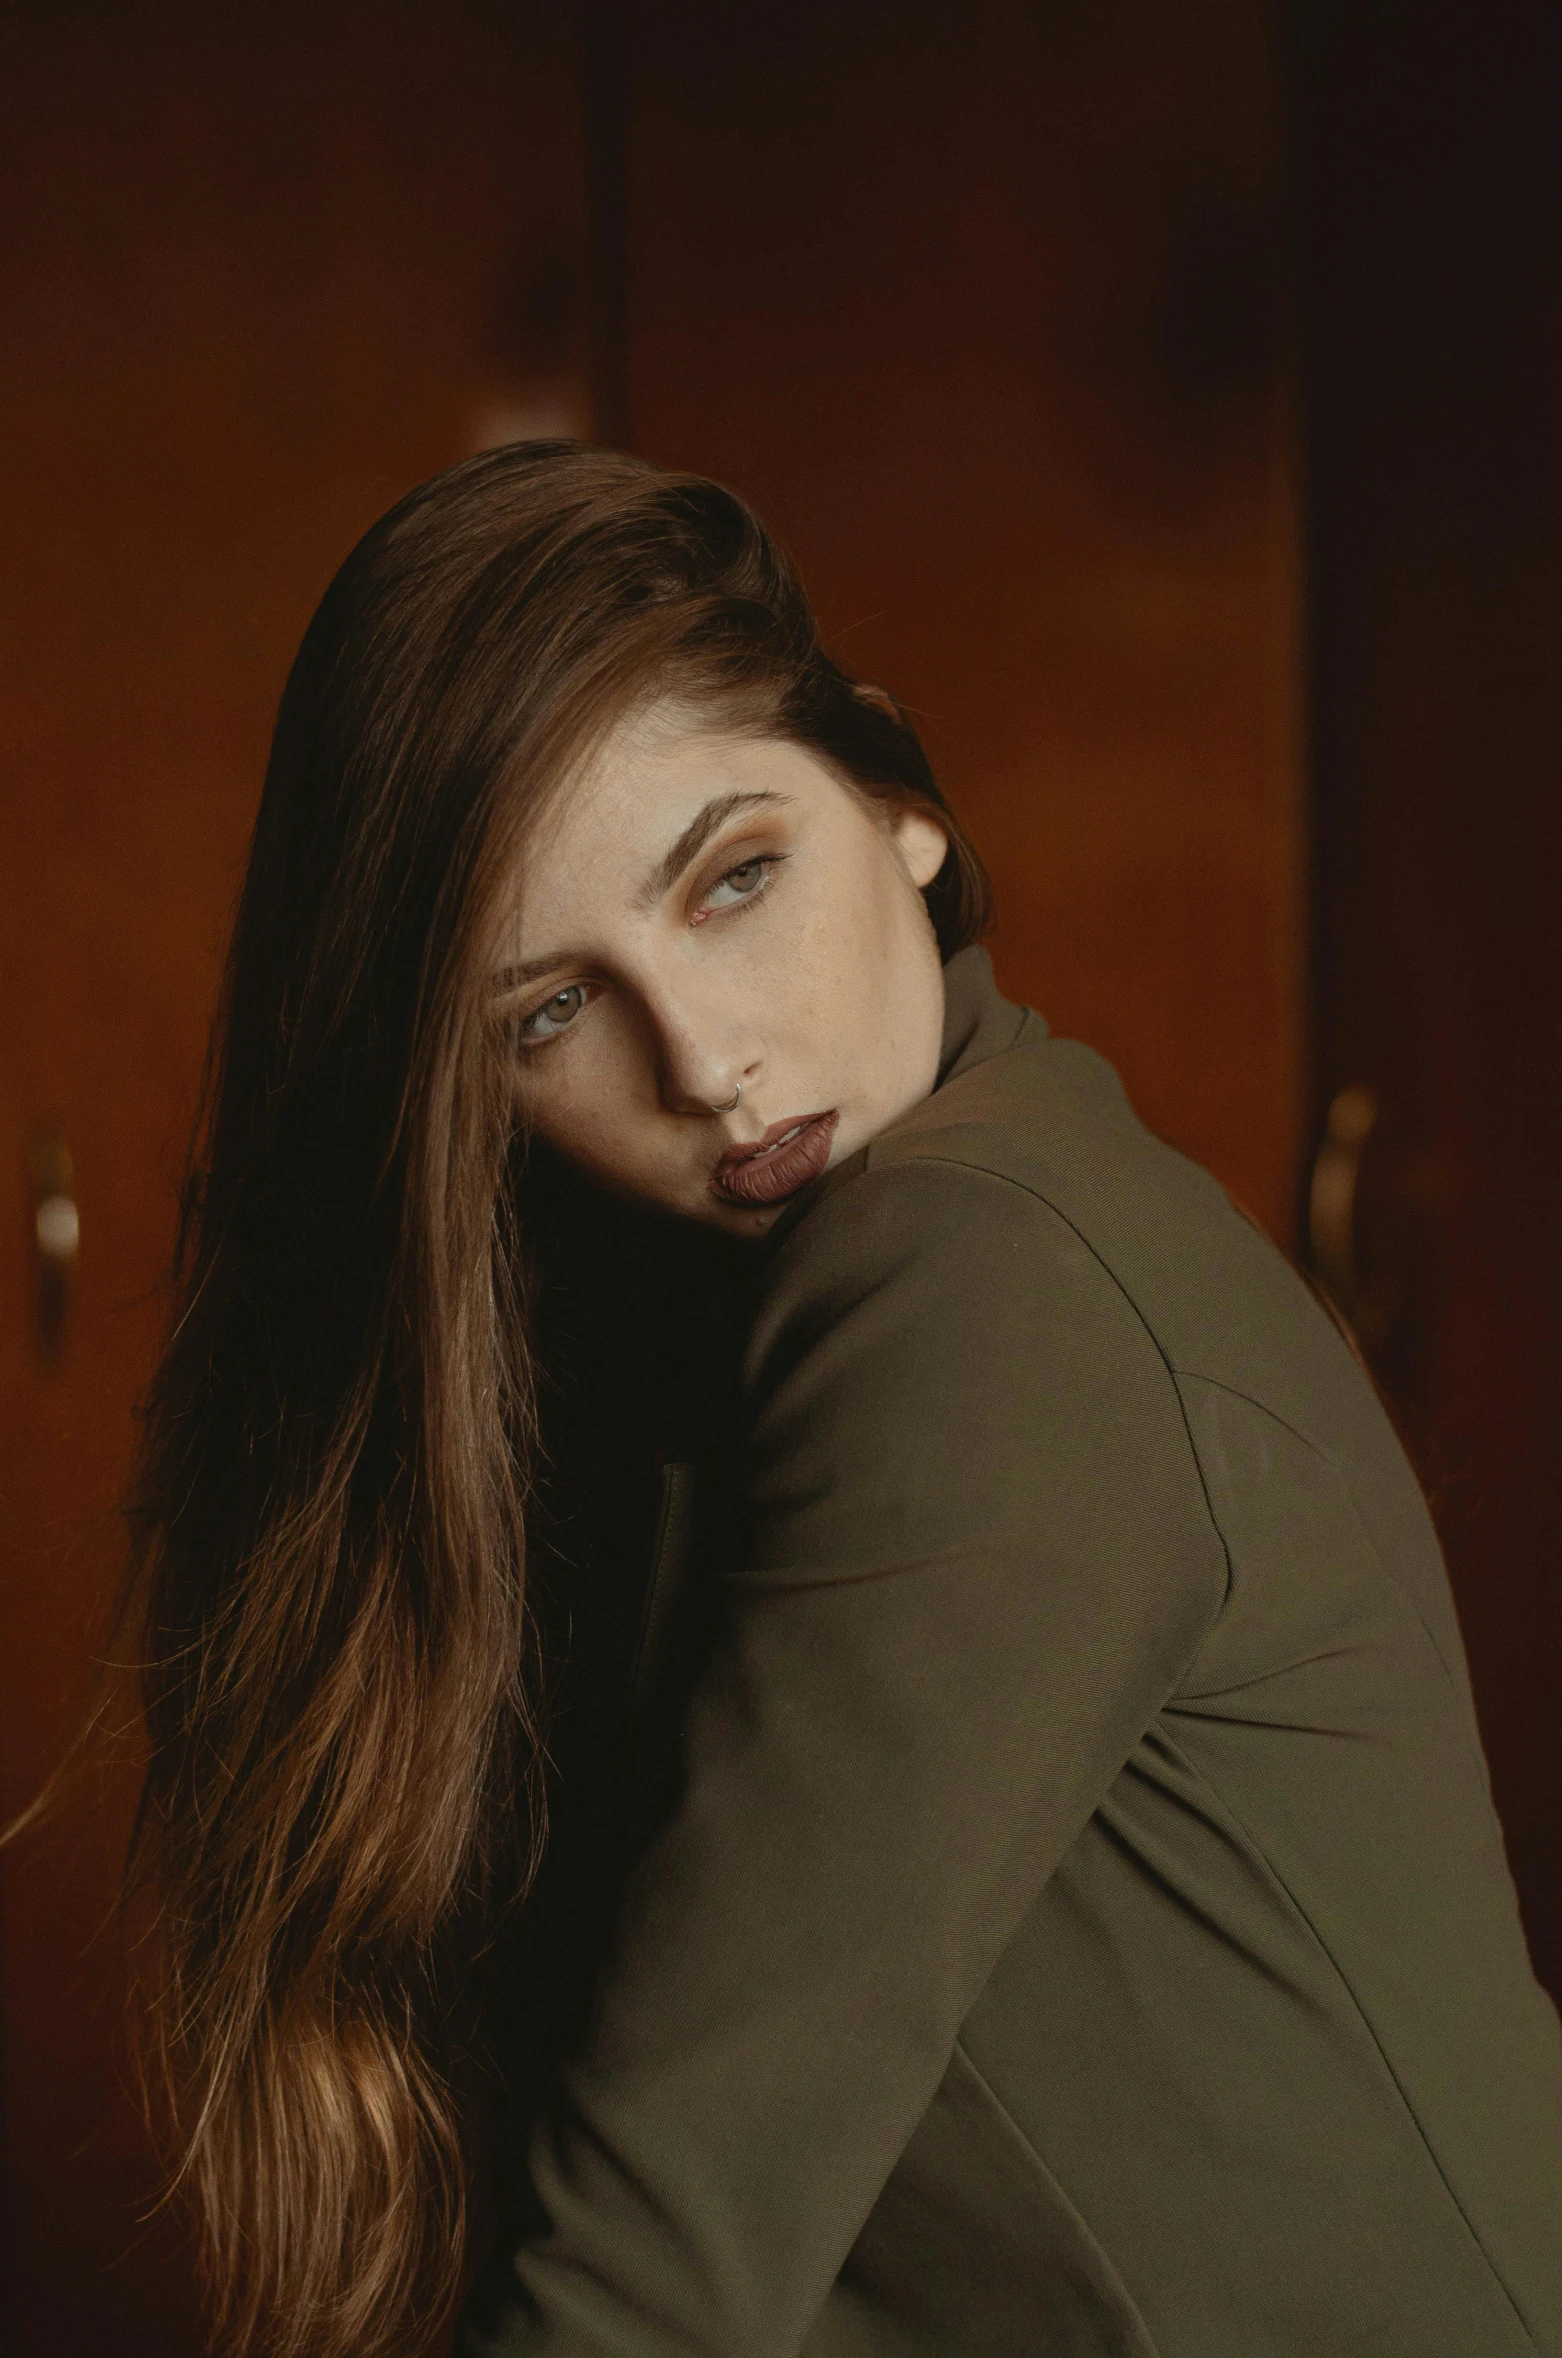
[706, 1060]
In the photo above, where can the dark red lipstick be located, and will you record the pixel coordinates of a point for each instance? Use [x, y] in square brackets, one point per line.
[786, 1158]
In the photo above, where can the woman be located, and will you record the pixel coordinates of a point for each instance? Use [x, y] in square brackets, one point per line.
[1018, 1875]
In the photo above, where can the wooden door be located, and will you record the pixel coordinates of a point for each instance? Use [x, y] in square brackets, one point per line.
[981, 302]
[263, 269]
[977, 302]
[1430, 190]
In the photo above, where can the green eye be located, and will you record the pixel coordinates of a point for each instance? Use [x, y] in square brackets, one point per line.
[556, 1014]
[743, 883]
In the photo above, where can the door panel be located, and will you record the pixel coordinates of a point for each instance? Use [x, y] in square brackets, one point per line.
[262, 271]
[980, 304]
[1431, 196]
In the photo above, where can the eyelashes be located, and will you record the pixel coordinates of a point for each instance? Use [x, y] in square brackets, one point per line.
[762, 867]
[555, 1015]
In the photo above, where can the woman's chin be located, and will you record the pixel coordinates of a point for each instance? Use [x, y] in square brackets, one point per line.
[733, 1219]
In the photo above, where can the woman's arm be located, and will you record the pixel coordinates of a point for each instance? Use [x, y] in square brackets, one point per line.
[978, 1560]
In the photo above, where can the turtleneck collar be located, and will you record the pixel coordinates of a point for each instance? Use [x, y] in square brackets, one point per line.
[978, 1021]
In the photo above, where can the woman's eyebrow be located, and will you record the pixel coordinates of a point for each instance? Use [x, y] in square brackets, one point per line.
[510, 978]
[663, 877]
[694, 838]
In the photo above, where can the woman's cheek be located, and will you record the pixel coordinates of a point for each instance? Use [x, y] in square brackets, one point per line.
[797, 941]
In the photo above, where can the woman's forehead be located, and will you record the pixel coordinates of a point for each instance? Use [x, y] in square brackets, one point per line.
[645, 790]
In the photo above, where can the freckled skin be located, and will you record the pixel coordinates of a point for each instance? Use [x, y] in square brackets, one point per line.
[794, 956]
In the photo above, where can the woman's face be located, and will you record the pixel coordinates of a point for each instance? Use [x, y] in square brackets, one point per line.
[718, 971]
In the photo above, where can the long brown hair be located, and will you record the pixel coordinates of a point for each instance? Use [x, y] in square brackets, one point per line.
[328, 1578]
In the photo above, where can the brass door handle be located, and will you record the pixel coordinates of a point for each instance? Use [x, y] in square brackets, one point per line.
[56, 1239]
[1331, 1197]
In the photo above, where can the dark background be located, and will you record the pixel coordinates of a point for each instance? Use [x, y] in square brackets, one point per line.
[1163, 398]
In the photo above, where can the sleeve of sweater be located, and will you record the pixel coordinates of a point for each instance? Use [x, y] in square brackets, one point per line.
[976, 1561]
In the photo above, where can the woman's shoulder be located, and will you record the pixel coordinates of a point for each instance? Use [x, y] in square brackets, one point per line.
[954, 1245]
[943, 1366]
[1030, 1166]
[1045, 1124]
[1052, 1118]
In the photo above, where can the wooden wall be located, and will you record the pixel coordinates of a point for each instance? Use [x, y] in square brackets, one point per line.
[1430, 178]
[977, 302]
[261, 271]
[981, 304]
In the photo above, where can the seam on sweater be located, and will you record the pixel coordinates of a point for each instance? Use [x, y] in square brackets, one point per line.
[1197, 1375]
[1177, 1371]
[1327, 1458]
[1047, 2171]
[1303, 1916]
[1006, 1179]
[960, 1163]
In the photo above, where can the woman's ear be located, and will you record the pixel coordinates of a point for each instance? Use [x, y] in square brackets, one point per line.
[921, 842]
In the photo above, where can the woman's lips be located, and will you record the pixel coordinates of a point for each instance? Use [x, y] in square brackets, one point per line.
[786, 1158]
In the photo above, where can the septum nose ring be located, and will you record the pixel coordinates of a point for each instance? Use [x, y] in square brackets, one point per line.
[732, 1102]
